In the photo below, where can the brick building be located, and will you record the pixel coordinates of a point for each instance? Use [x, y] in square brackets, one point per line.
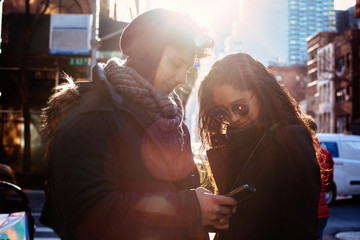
[293, 78]
[346, 82]
[314, 42]
[325, 87]
[332, 94]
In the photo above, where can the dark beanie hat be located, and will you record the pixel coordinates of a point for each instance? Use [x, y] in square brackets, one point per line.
[154, 27]
[145, 38]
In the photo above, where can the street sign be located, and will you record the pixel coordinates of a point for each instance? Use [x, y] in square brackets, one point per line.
[70, 34]
[78, 61]
[110, 54]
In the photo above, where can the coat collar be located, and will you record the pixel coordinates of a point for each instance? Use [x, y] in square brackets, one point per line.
[99, 95]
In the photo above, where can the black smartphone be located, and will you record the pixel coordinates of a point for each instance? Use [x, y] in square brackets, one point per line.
[241, 192]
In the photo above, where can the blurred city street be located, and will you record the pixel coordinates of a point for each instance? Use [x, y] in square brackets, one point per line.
[312, 49]
[37, 199]
[344, 219]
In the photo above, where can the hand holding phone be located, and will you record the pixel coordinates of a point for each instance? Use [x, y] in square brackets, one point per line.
[241, 193]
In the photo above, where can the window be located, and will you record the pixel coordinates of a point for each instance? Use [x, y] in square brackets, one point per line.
[348, 59]
[340, 124]
[339, 64]
[351, 149]
[348, 88]
[332, 147]
[340, 95]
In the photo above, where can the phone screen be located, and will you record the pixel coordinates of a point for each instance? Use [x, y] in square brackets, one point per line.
[241, 192]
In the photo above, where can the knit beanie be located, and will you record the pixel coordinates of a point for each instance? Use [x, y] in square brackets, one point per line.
[145, 38]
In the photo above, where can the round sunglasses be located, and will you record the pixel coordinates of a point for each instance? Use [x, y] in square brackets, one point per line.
[240, 109]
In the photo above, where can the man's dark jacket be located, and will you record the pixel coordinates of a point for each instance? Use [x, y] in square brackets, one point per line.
[99, 187]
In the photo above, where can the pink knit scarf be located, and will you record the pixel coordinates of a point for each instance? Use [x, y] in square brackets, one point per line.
[163, 144]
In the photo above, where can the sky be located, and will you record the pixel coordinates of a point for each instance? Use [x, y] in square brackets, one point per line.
[224, 19]
[260, 30]
[343, 4]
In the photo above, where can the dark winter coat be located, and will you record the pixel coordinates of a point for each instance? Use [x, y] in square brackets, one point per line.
[327, 163]
[286, 175]
[99, 187]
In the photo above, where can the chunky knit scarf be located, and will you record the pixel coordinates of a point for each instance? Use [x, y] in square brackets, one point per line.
[166, 111]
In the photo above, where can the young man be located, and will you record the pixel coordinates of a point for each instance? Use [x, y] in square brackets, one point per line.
[120, 160]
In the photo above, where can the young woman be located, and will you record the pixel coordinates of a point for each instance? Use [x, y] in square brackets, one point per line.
[255, 134]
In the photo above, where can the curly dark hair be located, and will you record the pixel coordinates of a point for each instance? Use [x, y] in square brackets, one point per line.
[243, 72]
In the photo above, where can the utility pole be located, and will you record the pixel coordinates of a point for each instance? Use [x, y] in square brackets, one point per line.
[95, 40]
[25, 91]
[1, 12]
[94, 32]
[137, 7]
[354, 41]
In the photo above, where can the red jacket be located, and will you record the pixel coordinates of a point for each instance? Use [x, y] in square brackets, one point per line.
[327, 176]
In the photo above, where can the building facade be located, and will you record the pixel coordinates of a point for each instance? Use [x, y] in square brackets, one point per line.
[346, 20]
[32, 63]
[346, 82]
[333, 93]
[28, 76]
[325, 88]
[306, 18]
[293, 78]
[314, 43]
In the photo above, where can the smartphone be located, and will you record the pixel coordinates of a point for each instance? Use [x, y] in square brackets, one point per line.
[241, 193]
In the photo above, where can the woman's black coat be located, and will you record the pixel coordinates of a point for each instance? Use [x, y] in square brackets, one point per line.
[286, 175]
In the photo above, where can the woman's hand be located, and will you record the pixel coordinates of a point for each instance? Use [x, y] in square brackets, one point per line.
[216, 210]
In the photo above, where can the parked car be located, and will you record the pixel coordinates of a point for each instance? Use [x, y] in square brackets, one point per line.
[345, 150]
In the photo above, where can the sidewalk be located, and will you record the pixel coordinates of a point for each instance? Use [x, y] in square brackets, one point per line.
[348, 236]
[338, 236]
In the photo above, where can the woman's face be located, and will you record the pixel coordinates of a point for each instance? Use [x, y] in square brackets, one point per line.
[235, 107]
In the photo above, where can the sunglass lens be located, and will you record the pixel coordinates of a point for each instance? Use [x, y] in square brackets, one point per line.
[240, 109]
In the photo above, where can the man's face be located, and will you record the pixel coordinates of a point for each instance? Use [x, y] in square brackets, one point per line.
[173, 68]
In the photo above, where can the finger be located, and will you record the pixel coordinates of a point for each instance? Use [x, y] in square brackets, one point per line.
[214, 222]
[225, 209]
[203, 190]
[219, 226]
[221, 220]
[223, 200]
[234, 209]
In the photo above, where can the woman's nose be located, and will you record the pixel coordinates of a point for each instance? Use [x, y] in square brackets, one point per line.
[233, 117]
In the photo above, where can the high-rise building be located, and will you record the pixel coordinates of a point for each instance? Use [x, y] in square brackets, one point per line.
[345, 20]
[305, 18]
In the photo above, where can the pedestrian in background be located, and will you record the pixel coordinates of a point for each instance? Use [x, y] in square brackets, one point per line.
[327, 180]
[119, 154]
[7, 174]
[17, 221]
[256, 135]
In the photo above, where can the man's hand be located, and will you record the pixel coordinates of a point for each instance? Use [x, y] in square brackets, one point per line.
[216, 210]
